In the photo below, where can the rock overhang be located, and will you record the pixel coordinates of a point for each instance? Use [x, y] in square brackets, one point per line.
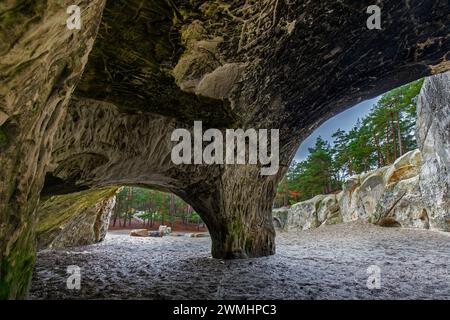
[133, 60]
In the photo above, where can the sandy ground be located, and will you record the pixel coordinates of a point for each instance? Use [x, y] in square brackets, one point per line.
[327, 263]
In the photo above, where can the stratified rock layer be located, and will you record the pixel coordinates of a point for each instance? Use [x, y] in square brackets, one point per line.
[413, 192]
[389, 196]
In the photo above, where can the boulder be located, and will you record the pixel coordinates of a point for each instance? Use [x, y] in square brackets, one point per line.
[198, 235]
[139, 233]
[303, 215]
[164, 230]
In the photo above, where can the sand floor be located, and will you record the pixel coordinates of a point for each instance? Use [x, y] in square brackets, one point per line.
[326, 263]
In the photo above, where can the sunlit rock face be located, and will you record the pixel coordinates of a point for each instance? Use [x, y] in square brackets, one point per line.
[75, 219]
[390, 196]
[433, 134]
[385, 196]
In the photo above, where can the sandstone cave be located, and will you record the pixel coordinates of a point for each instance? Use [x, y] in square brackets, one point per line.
[86, 111]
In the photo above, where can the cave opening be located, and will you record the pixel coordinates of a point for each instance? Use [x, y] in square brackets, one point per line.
[154, 212]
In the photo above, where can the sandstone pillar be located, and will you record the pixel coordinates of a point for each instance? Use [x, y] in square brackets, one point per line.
[238, 212]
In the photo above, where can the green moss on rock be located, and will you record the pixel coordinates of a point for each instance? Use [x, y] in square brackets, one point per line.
[59, 209]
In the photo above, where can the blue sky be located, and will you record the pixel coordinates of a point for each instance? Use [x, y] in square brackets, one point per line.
[344, 120]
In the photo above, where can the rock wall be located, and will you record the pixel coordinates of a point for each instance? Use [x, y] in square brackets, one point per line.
[259, 76]
[310, 214]
[76, 219]
[433, 135]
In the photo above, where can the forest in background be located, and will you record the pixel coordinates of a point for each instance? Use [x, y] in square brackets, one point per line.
[152, 208]
[375, 141]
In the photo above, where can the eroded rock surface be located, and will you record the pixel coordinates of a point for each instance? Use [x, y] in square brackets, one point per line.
[41, 62]
[433, 133]
[389, 196]
[241, 64]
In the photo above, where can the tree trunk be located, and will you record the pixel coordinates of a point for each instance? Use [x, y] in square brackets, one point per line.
[399, 135]
[116, 213]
